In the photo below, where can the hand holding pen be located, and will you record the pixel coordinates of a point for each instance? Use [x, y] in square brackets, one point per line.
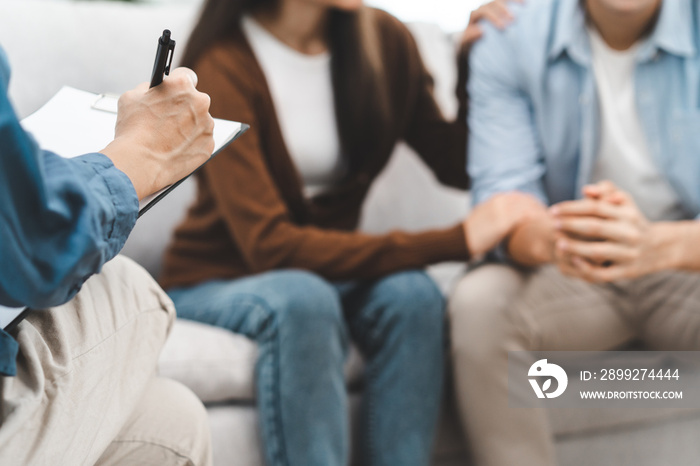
[162, 134]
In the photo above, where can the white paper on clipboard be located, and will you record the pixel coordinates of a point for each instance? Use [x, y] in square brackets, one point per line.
[8, 314]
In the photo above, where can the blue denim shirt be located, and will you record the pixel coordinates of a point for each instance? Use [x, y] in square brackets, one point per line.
[61, 219]
[534, 115]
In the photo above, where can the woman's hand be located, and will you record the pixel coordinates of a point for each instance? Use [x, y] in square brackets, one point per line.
[496, 12]
[492, 221]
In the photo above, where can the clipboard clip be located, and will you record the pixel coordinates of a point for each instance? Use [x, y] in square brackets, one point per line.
[106, 103]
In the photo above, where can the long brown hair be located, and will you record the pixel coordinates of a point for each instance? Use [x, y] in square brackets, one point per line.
[360, 89]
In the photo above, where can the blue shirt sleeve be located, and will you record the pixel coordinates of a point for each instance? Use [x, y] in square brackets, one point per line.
[504, 151]
[62, 219]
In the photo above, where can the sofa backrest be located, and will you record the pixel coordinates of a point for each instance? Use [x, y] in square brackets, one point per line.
[106, 46]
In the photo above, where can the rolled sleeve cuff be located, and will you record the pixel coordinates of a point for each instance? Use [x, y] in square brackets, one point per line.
[121, 204]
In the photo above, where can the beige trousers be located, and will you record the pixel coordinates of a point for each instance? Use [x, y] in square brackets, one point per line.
[86, 391]
[496, 309]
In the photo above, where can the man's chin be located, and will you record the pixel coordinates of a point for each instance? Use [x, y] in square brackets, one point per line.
[627, 7]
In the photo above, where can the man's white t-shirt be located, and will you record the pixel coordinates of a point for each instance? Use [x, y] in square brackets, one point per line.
[624, 156]
[302, 91]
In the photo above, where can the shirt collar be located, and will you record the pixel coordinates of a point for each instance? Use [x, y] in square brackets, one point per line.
[570, 32]
[673, 32]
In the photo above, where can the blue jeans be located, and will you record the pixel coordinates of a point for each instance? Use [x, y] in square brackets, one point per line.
[301, 324]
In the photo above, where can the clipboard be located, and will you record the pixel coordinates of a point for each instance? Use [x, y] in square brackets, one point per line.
[10, 317]
[75, 122]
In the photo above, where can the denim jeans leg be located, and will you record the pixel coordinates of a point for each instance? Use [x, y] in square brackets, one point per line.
[296, 319]
[399, 324]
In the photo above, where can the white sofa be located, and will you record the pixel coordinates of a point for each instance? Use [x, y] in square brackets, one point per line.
[109, 47]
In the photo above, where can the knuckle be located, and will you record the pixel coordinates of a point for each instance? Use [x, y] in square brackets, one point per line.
[203, 102]
[634, 237]
[597, 251]
[126, 98]
[595, 228]
[184, 79]
[199, 103]
[179, 81]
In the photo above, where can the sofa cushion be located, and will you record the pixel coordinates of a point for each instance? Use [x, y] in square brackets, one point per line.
[214, 363]
[218, 365]
[244, 448]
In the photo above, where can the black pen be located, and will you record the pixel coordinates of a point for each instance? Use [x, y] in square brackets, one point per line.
[164, 58]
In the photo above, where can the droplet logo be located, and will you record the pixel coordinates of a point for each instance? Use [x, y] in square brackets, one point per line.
[544, 369]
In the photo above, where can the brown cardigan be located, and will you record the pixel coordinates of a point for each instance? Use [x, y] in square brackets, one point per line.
[251, 216]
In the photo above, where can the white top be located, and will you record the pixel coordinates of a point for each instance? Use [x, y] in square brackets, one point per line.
[302, 92]
[624, 156]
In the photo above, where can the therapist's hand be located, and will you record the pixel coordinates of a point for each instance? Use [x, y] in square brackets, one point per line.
[496, 12]
[162, 134]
